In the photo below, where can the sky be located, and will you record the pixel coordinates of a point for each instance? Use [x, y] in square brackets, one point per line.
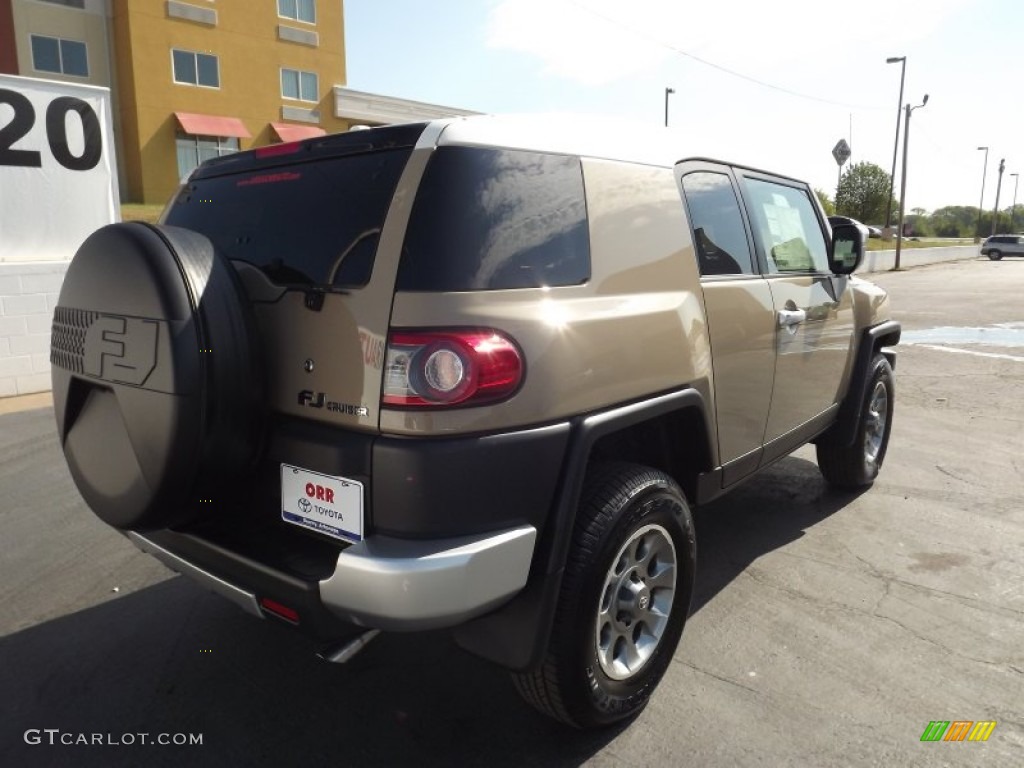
[780, 82]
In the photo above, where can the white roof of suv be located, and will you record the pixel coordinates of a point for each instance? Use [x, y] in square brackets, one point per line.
[583, 135]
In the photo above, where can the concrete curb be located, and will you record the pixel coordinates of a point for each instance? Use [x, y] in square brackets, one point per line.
[25, 402]
[883, 261]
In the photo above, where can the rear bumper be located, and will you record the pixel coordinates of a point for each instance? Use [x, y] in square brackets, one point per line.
[240, 597]
[382, 582]
[398, 584]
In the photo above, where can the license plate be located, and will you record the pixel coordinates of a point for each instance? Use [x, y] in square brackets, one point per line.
[324, 503]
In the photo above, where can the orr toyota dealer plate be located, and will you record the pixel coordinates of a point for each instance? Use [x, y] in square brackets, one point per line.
[324, 503]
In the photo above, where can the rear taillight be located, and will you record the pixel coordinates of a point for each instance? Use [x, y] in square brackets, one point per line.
[444, 368]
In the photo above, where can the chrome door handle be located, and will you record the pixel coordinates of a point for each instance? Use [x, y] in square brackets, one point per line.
[790, 317]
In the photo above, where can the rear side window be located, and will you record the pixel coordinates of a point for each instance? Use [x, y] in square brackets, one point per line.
[487, 219]
[718, 232]
[308, 224]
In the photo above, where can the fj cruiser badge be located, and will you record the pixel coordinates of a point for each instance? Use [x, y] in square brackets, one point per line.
[313, 399]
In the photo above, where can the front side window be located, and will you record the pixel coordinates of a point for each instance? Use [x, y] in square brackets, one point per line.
[191, 68]
[303, 86]
[300, 10]
[719, 236]
[193, 150]
[786, 227]
[65, 57]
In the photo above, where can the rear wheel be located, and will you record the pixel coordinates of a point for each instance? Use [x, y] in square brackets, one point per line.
[624, 600]
[995, 255]
[857, 465]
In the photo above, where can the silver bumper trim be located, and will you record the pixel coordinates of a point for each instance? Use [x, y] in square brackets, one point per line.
[247, 600]
[402, 584]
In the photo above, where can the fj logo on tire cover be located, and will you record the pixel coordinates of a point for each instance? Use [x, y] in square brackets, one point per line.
[121, 349]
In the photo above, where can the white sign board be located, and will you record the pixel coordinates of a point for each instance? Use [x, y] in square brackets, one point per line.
[58, 175]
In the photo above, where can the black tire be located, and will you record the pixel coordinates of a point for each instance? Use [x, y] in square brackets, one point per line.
[995, 255]
[621, 504]
[857, 465]
[156, 380]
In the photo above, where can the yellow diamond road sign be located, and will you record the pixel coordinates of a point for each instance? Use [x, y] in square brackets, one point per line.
[841, 152]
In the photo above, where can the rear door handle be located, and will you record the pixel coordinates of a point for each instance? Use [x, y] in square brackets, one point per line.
[790, 317]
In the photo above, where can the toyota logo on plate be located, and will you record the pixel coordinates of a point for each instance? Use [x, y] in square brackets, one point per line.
[304, 505]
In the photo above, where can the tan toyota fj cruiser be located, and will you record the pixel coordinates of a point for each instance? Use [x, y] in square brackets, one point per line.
[470, 373]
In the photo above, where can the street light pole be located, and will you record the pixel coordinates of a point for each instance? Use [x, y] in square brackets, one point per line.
[896, 144]
[667, 92]
[1013, 209]
[981, 203]
[903, 179]
[999, 186]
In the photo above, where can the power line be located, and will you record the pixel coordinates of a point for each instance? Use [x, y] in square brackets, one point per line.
[675, 49]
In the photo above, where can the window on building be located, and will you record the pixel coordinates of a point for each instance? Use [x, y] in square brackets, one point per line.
[300, 10]
[66, 57]
[303, 86]
[68, 3]
[193, 150]
[191, 68]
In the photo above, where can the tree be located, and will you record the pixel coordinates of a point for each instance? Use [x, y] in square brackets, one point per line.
[863, 193]
[957, 221]
[826, 202]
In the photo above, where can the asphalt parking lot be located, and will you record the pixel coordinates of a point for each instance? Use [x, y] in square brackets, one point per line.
[826, 629]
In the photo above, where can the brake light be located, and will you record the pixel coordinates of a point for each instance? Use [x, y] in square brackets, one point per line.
[445, 368]
[275, 150]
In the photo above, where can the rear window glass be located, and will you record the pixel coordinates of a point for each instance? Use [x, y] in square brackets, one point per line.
[314, 223]
[488, 219]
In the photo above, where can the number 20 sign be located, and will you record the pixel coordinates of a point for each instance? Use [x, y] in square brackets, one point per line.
[58, 179]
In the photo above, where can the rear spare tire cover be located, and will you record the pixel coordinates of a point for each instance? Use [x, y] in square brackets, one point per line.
[155, 377]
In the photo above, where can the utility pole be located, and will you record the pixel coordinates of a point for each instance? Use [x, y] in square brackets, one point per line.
[981, 203]
[903, 181]
[1013, 208]
[999, 185]
[667, 92]
[899, 105]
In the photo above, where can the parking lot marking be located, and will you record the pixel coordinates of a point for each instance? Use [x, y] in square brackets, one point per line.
[996, 355]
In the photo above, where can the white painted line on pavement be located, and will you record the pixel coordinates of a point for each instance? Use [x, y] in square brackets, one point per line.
[972, 352]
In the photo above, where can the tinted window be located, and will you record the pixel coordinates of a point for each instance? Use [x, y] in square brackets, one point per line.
[786, 227]
[718, 233]
[195, 68]
[309, 224]
[492, 219]
[73, 58]
[46, 53]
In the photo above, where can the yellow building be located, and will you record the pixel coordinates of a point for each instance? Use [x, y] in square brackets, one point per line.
[203, 78]
[195, 79]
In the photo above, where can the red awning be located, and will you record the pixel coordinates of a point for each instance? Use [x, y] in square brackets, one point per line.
[212, 125]
[289, 132]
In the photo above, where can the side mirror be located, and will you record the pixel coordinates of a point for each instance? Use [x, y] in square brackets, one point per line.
[848, 238]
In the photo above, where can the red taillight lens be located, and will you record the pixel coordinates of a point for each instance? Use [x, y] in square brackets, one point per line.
[275, 150]
[279, 610]
[445, 368]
